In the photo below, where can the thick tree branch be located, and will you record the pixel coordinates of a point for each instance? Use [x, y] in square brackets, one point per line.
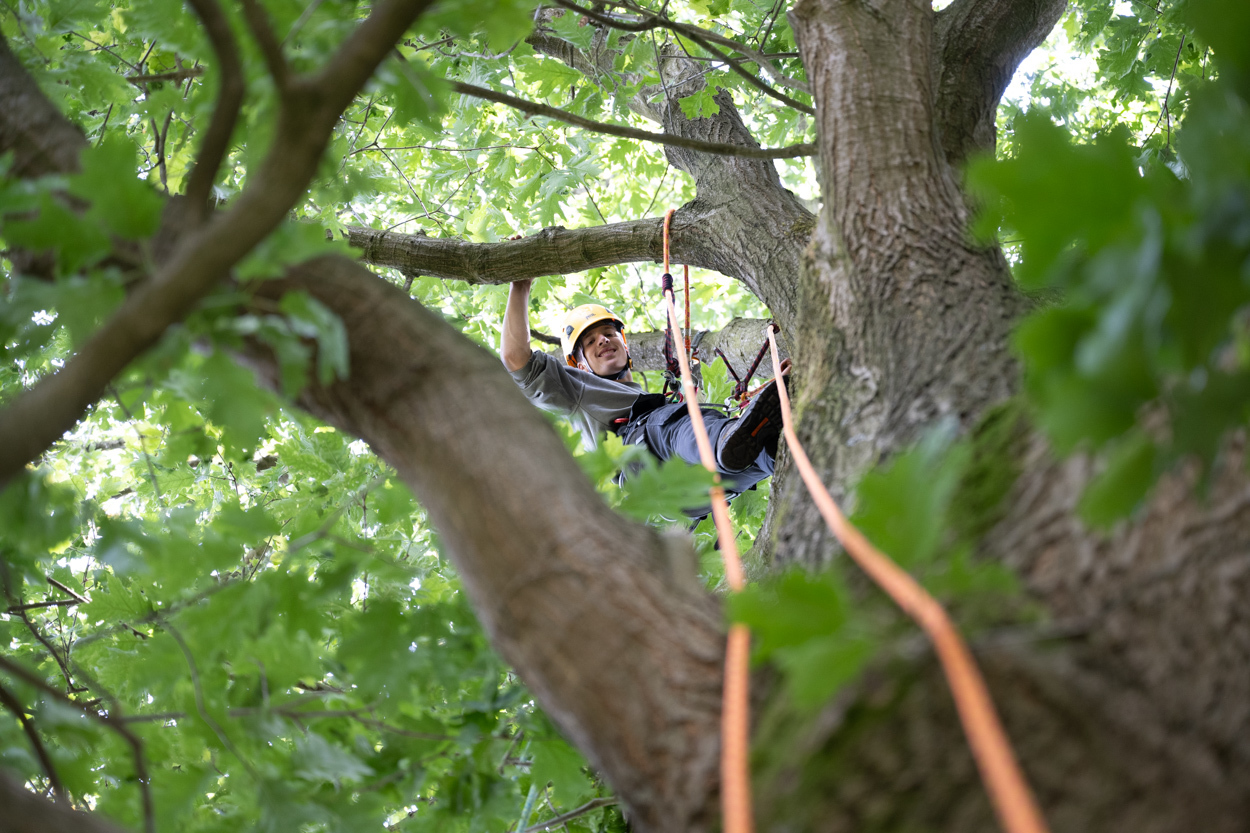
[262, 30]
[562, 584]
[552, 251]
[310, 109]
[978, 46]
[229, 100]
[753, 151]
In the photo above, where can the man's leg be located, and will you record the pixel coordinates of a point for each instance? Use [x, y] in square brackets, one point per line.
[675, 436]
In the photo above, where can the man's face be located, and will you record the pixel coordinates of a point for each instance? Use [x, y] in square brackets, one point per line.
[602, 350]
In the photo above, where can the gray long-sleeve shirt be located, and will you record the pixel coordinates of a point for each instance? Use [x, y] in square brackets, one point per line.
[591, 403]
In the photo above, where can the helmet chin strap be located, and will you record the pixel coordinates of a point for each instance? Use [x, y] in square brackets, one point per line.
[615, 377]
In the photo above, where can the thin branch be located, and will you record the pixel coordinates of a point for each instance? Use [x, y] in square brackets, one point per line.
[199, 697]
[1164, 110]
[593, 804]
[16, 606]
[303, 18]
[671, 139]
[270, 47]
[178, 75]
[67, 590]
[39, 605]
[229, 99]
[28, 726]
[702, 37]
[109, 721]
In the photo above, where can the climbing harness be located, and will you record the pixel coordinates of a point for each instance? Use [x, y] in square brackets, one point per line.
[742, 393]
[1009, 792]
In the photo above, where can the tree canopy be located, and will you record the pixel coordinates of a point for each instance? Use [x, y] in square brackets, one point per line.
[226, 611]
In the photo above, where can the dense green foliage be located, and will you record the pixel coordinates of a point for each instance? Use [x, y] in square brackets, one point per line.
[1145, 355]
[263, 601]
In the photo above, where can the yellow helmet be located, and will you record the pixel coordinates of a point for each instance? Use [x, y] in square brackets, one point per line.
[578, 321]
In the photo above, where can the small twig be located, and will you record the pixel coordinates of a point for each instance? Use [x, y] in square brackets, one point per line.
[702, 37]
[16, 606]
[67, 590]
[28, 726]
[156, 486]
[671, 139]
[303, 18]
[38, 605]
[543, 337]
[593, 804]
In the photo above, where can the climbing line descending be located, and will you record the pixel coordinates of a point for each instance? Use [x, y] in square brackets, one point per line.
[1009, 792]
[734, 774]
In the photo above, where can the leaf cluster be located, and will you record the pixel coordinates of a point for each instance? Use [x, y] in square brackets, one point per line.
[1141, 352]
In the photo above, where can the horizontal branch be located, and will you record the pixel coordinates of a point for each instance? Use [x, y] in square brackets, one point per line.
[593, 804]
[173, 75]
[552, 251]
[625, 132]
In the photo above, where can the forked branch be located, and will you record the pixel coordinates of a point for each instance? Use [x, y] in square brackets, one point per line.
[979, 45]
[310, 109]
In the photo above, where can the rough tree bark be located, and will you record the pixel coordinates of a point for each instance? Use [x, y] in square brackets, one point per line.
[1131, 715]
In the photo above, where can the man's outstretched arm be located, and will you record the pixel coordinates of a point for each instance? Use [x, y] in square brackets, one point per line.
[515, 348]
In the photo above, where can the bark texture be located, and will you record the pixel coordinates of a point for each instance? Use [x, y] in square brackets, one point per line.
[904, 322]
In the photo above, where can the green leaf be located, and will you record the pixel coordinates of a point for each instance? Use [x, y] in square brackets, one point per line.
[319, 760]
[1120, 487]
[77, 241]
[701, 104]
[791, 610]
[120, 201]
[559, 764]
[312, 319]
[664, 489]
[901, 507]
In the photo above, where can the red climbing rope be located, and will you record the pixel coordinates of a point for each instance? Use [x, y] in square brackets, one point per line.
[1009, 792]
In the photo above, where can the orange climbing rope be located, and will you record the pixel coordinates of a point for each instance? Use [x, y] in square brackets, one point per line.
[735, 719]
[734, 772]
[1009, 792]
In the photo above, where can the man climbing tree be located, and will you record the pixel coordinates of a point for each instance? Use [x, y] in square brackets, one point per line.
[594, 385]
